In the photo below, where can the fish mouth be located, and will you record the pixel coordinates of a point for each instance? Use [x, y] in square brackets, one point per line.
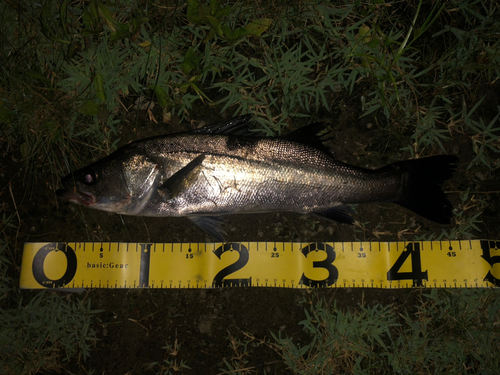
[76, 196]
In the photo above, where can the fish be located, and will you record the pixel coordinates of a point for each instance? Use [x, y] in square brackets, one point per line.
[225, 168]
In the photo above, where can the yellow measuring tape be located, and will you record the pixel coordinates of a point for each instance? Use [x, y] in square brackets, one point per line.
[431, 264]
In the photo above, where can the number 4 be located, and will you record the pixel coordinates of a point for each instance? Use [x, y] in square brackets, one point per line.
[416, 273]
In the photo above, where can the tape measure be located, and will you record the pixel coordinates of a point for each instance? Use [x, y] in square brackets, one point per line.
[430, 264]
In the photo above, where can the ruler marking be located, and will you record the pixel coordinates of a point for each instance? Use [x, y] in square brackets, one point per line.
[144, 266]
[148, 266]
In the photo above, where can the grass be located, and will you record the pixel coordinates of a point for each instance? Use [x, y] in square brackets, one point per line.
[450, 331]
[46, 332]
[426, 73]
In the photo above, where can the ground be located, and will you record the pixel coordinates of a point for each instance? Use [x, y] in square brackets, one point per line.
[134, 325]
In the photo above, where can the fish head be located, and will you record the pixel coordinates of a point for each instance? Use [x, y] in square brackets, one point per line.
[122, 183]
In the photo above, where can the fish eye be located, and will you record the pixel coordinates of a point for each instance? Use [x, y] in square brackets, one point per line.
[89, 177]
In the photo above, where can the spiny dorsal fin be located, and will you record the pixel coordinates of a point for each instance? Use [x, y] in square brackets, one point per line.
[233, 126]
[308, 135]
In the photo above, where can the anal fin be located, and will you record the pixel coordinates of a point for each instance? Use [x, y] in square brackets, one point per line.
[341, 213]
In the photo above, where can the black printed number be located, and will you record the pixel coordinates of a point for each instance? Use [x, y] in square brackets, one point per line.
[38, 263]
[333, 273]
[492, 260]
[416, 273]
[219, 279]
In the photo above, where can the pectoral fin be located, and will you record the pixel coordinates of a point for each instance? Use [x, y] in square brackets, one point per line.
[182, 180]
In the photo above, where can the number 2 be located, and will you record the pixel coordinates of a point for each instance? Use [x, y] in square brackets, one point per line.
[219, 280]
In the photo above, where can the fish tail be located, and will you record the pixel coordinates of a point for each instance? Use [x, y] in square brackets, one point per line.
[421, 186]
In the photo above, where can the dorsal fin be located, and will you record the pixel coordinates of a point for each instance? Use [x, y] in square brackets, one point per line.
[233, 126]
[310, 135]
[307, 135]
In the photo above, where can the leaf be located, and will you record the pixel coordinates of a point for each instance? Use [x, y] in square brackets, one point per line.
[88, 18]
[363, 30]
[25, 150]
[257, 27]
[217, 11]
[214, 6]
[160, 94]
[137, 22]
[99, 87]
[197, 13]
[89, 108]
[190, 62]
[93, 8]
[239, 33]
[122, 32]
[37, 76]
[5, 115]
[64, 15]
[46, 28]
[106, 16]
[144, 44]
[193, 12]
[374, 43]
[216, 25]
[222, 12]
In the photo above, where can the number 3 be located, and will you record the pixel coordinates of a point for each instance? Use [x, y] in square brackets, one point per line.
[333, 273]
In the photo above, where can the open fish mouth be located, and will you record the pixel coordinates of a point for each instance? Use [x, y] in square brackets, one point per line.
[76, 196]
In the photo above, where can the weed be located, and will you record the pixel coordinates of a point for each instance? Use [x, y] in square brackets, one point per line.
[169, 365]
[45, 333]
[451, 331]
[467, 218]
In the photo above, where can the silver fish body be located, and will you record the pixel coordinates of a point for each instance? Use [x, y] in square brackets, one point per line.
[211, 172]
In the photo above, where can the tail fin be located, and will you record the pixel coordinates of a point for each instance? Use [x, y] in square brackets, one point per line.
[421, 191]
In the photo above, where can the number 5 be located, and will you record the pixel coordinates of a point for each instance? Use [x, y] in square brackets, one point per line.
[492, 260]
